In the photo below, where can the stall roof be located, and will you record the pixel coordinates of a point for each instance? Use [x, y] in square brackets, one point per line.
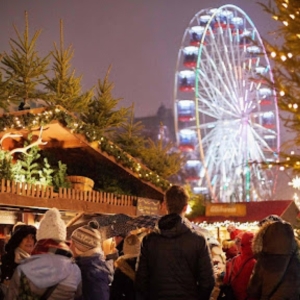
[69, 147]
[253, 211]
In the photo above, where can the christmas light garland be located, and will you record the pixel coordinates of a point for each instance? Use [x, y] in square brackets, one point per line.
[30, 120]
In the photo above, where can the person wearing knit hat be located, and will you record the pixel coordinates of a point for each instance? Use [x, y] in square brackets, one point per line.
[19, 247]
[96, 271]
[124, 279]
[50, 269]
[239, 269]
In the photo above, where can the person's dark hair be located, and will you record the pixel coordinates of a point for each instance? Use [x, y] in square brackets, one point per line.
[19, 234]
[176, 199]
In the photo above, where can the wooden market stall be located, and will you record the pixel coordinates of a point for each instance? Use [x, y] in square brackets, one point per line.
[57, 134]
[246, 214]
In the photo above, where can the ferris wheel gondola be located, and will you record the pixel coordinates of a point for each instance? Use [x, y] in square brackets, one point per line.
[226, 114]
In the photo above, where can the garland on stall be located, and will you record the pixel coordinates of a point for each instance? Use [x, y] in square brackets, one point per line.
[92, 134]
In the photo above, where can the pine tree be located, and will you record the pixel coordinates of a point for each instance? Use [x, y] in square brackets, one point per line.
[31, 168]
[60, 177]
[102, 111]
[65, 88]
[23, 68]
[129, 136]
[162, 158]
[285, 56]
[4, 91]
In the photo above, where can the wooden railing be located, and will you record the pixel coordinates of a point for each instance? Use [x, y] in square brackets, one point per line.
[30, 190]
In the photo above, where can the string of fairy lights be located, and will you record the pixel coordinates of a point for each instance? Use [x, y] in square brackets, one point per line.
[30, 120]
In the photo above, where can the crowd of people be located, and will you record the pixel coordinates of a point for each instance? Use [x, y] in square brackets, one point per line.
[173, 261]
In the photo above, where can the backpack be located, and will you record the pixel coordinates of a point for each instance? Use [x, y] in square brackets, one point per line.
[25, 292]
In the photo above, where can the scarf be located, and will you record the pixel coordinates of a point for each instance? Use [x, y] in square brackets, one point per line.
[20, 254]
[52, 246]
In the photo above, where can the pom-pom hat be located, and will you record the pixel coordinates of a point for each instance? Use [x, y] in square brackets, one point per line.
[52, 226]
[86, 238]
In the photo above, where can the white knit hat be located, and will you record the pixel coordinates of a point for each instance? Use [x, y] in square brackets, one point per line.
[86, 237]
[52, 226]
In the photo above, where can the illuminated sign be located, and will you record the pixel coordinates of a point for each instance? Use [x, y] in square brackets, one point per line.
[225, 209]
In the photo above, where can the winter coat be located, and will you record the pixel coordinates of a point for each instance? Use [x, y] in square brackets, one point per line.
[239, 269]
[122, 287]
[97, 275]
[46, 270]
[175, 263]
[277, 263]
[8, 266]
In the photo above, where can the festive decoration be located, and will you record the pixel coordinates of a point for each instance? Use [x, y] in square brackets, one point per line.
[30, 120]
[286, 68]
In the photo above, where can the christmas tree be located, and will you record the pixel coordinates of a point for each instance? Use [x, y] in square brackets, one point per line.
[284, 54]
[130, 136]
[65, 88]
[102, 110]
[24, 69]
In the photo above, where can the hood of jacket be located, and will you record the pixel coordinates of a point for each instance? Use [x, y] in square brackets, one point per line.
[172, 225]
[45, 270]
[275, 238]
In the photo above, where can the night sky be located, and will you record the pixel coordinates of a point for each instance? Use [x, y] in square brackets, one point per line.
[139, 38]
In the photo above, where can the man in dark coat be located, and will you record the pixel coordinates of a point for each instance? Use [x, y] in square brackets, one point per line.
[175, 261]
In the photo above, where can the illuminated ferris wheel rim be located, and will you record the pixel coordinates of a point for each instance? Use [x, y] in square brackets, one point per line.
[239, 115]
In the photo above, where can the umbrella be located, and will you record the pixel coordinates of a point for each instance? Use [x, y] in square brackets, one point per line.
[116, 229]
[104, 222]
[144, 221]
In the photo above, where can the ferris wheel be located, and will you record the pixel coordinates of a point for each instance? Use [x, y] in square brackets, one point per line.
[226, 114]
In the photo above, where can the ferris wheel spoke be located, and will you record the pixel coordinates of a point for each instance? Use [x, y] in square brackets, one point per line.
[228, 90]
[215, 93]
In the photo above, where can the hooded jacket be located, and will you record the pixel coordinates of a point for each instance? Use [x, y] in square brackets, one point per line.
[276, 274]
[239, 269]
[175, 263]
[46, 270]
[97, 275]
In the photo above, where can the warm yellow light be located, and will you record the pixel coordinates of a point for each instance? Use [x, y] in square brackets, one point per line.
[290, 105]
[292, 152]
[283, 57]
[273, 54]
[290, 55]
[295, 106]
[282, 93]
[285, 23]
[292, 17]
[296, 182]
[275, 17]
